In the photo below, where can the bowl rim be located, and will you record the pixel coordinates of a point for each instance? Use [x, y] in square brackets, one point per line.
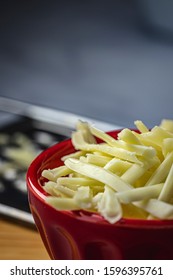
[35, 188]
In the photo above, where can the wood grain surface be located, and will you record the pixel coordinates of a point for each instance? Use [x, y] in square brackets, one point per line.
[18, 242]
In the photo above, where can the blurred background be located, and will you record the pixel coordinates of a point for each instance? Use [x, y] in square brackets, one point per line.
[105, 59]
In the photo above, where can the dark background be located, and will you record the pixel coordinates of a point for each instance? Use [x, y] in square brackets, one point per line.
[110, 60]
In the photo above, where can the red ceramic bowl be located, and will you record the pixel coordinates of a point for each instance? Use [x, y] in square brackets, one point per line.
[79, 235]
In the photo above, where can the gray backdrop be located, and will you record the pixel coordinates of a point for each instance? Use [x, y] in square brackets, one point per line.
[101, 59]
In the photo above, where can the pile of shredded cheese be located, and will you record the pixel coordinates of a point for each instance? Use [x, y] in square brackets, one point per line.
[127, 177]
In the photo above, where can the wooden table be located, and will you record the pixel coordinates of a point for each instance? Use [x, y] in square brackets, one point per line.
[18, 242]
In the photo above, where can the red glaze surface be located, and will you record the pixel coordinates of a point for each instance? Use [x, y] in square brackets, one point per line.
[80, 235]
